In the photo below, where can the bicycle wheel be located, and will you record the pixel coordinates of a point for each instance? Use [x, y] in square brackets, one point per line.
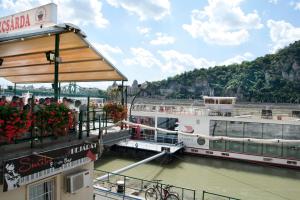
[172, 197]
[150, 194]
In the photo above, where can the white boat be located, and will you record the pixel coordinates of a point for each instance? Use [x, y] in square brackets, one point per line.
[219, 128]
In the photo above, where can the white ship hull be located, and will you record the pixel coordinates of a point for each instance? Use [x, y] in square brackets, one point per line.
[201, 124]
[249, 158]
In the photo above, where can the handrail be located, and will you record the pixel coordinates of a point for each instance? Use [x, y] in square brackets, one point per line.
[143, 184]
[216, 195]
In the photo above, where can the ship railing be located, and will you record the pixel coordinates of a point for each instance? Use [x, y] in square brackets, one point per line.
[161, 137]
[187, 110]
[201, 111]
[137, 186]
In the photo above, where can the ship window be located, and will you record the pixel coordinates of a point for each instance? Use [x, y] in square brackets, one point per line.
[253, 130]
[272, 131]
[217, 128]
[209, 101]
[291, 132]
[235, 129]
[169, 124]
[225, 101]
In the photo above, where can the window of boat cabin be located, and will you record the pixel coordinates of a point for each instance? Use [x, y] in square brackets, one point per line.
[235, 129]
[145, 134]
[291, 132]
[169, 124]
[272, 131]
[253, 130]
[225, 101]
[209, 101]
[217, 128]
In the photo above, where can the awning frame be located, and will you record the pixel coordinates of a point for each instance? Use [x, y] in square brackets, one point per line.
[57, 31]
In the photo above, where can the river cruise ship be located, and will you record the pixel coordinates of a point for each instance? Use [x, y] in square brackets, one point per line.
[221, 128]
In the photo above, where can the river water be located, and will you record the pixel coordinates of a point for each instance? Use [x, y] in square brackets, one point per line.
[237, 179]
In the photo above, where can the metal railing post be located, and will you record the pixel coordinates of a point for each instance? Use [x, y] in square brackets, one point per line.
[32, 125]
[94, 119]
[106, 122]
[80, 125]
[56, 67]
[100, 131]
[108, 177]
[142, 185]
[88, 117]
[124, 179]
[203, 194]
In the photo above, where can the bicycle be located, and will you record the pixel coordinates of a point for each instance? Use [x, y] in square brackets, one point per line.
[155, 192]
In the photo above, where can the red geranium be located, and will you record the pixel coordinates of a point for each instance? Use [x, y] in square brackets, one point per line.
[115, 111]
[13, 123]
[53, 118]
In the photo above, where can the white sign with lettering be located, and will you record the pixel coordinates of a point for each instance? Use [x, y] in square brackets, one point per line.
[35, 18]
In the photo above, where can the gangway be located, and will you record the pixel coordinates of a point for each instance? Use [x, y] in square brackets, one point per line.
[133, 165]
[112, 138]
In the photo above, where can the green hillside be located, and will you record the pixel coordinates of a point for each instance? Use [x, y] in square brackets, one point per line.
[271, 78]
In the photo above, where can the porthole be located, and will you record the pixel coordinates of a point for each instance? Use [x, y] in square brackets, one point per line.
[201, 141]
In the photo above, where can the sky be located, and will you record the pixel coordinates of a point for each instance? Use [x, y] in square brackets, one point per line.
[149, 40]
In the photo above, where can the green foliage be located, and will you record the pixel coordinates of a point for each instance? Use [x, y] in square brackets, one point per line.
[271, 78]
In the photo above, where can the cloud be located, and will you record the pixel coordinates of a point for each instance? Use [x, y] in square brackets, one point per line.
[79, 12]
[273, 1]
[146, 9]
[282, 33]
[238, 59]
[222, 22]
[176, 62]
[143, 58]
[171, 62]
[109, 52]
[296, 5]
[162, 39]
[143, 30]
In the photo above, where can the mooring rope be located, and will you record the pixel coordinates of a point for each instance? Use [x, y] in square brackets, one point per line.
[214, 138]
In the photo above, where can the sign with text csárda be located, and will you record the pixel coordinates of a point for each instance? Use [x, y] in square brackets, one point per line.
[35, 18]
[27, 169]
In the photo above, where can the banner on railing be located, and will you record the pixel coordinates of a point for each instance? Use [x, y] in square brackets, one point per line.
[27, 169]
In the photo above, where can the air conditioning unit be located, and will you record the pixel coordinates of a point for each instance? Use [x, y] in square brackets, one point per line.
[77, 181]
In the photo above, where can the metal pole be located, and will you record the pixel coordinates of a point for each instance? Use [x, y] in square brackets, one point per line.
[100, 131]
[80, 125]
[15, 89]
[32, 126]
[56, 64]
[59, 90]
[122, 93]
[94, 119]
[126, 95]
[88, 117]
